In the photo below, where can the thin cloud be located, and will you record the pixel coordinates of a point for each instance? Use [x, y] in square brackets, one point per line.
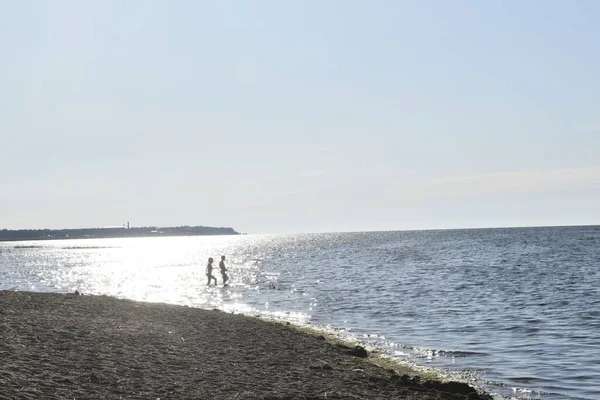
[520, 181]
[592, 128]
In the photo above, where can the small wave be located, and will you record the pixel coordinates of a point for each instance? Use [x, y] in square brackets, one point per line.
[274, 285]
[523, 329]
[459, 353]
[87, 247]
[526, 379]
[586, 315]
[444, 353]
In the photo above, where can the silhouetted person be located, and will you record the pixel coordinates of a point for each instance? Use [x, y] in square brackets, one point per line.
[223, 270]
[209, 269]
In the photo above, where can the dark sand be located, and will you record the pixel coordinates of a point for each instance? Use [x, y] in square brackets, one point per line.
[64, 346]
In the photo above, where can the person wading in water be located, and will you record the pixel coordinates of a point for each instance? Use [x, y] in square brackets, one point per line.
[209, 269]
[223, 270]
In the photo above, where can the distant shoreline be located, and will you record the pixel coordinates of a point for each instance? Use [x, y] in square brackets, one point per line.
[7, 235]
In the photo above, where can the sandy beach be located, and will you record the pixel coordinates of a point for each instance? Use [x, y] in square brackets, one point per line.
[67, 346]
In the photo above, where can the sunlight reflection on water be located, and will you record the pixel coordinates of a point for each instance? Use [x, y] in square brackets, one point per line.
[170, 270]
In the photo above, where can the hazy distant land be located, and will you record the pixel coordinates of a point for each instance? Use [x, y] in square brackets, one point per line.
[111, 232]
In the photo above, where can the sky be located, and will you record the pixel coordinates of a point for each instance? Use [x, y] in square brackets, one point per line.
[305, 116]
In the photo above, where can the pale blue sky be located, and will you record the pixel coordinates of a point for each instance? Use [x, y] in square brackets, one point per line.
[307, 116]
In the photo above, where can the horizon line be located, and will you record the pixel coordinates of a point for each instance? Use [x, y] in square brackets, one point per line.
[321, 232]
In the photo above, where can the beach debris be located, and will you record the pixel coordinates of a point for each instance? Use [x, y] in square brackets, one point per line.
[94, 378]
[453, 387]
[358, 351]
[321, 365]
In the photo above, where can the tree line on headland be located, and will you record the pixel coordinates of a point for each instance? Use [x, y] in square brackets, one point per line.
[111, 232]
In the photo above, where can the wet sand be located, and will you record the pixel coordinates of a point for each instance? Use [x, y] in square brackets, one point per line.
[65, 346]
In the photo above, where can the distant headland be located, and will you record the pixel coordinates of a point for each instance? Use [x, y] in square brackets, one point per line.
[111, 232]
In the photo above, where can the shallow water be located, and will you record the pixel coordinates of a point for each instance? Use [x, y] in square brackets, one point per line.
[516, 311]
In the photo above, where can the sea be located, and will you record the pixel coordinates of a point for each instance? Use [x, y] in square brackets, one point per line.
[515, 311]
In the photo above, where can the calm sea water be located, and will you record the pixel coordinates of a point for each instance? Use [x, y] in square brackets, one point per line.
[516, 311]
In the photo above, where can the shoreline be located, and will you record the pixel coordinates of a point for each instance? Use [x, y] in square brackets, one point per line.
[72, 346]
